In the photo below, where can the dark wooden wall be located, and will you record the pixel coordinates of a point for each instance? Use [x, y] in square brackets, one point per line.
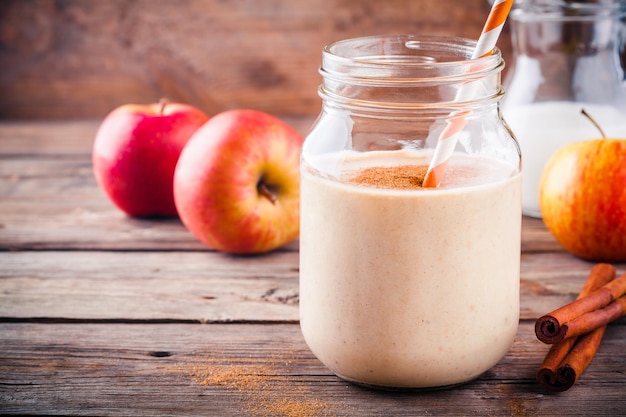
[82, 58]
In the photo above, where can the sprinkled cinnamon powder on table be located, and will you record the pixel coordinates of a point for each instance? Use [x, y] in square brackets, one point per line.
[289, 407]
[401, 177]
[236, 377]
[263, 395]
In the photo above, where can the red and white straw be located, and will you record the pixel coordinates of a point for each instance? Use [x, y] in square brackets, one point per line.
[448, 138]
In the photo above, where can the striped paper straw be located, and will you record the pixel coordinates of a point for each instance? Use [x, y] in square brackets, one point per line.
[447, 139]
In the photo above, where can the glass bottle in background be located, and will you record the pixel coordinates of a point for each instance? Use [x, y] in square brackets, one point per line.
[566, 58]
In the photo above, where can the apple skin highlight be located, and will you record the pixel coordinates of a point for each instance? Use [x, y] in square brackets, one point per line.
[135, 153]
[236, 184]
[582, 197]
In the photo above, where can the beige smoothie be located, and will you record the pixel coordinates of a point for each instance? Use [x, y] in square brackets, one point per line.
[405, 287]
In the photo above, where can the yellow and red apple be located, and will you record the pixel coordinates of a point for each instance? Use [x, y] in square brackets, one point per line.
[135, 154]
[236, 185]
[582, 197]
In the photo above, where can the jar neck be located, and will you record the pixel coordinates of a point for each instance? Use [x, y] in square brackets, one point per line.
[407, 74]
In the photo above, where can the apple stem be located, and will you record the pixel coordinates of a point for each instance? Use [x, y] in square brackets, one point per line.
[591, 119]
[265, 191]
[162, 103]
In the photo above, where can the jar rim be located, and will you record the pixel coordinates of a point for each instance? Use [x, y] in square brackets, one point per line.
[410, 56]
[409, 72]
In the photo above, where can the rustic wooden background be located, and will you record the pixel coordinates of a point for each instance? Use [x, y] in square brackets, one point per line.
[63, 59]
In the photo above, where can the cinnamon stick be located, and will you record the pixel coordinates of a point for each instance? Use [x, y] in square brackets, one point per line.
[550, 328]
[552, 374]
[598, 318]
[575, 362]
[557, 375]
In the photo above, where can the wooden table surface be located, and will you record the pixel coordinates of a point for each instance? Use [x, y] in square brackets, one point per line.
[101, 314]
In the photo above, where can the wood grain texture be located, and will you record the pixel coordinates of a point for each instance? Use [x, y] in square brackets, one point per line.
[77, 58]
[206, 286]
[50, 199]
[51, 205]
[49, 162]
[159, 369]
[62, 138]
[101, 314]
[149, 286]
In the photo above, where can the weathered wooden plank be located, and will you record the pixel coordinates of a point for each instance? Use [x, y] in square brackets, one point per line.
[261, 370]
[82, 59]
[94, 225]
[85, 293]
[47, 137]
[54, 203]
[61, 211]
[552, 279]
[208, 286]
[49, 198]
[179, 286]
[536, 238]
[39, 138]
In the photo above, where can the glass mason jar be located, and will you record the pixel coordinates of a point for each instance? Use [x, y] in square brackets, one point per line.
[403, 286]
[566, 58]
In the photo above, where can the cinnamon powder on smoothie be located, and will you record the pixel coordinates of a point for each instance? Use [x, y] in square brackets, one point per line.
[400, 177]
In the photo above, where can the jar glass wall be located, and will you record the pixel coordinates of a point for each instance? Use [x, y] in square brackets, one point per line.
[403, 286]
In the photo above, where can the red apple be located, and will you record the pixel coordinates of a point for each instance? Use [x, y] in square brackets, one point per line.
[135, 154]
[582, 197]
[236, 185]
